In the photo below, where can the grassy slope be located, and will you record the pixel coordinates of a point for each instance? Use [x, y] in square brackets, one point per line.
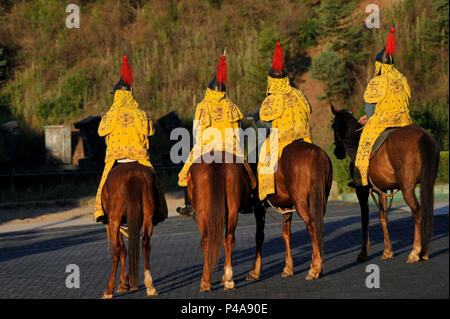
[62, 75]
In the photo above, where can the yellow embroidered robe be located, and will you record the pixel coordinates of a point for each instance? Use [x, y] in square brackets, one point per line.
[390, 91]
[126, 129]
[288, 110]
[216, 128]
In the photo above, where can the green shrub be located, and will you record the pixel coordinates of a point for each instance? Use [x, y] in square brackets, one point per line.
[68, 104]
[329, 67]
[433, 117]
[442, 174]
[341, 171]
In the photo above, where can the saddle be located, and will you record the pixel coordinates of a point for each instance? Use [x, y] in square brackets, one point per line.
[381, 139]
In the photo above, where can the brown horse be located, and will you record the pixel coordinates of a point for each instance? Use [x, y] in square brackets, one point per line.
[132, 195]
[303, 179]
[218, 191]
[410, 155]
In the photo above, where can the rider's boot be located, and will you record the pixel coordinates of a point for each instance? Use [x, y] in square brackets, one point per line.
[188, 210]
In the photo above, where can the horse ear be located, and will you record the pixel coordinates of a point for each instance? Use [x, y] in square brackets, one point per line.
[353, 109]
[333, 109]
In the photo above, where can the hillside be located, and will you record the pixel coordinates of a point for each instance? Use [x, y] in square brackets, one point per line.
[50, 74]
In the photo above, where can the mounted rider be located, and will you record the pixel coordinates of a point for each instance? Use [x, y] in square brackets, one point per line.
[216, 128]
[287, 110]
[126, 129]
[387, 99]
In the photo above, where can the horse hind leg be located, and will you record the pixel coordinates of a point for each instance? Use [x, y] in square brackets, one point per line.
[260, 215]
[123, 286]
[228, 243]
[149, 209]
[205, 282]
[146, 247]
[410, 198]
[288, 270]
[387, 253]
[115, 253]
[315, 270]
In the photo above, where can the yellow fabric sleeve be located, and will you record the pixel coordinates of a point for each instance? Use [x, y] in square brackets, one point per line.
[376, 89]
[108, 123]
[272, 107]
[233, 112]
[303, 101]
[202, 114]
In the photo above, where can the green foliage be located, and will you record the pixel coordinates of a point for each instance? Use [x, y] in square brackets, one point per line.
[261, 63]
[5, 111]
[332, 12]
[434, 117]
[2, 65]
[329, 67]
[68, 104]
[308, 33]
[341, 171]
[442, 174]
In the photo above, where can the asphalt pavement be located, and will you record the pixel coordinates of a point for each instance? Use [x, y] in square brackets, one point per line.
[38, 261]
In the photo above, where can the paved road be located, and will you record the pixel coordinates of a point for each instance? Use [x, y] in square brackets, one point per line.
[33, 261]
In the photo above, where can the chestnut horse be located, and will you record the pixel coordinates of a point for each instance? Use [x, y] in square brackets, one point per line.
[303, 179]
[132, 195]
[410, 155]
[218, 191]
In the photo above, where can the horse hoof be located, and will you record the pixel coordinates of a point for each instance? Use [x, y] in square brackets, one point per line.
[388, 255]
[152, 292]
[134, 288]
[107, 296]
[251, 277]
[286, 274]
[205, 289]
[311, 275]
[425, 257]
[122, 289]
[229, 285]
[413, 258]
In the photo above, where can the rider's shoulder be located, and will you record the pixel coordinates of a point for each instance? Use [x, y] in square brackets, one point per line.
[271, 107]
[376, 89]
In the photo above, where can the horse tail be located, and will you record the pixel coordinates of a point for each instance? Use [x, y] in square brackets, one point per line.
[216, 221]
[429, 153]
[133, 213]
[319, 191]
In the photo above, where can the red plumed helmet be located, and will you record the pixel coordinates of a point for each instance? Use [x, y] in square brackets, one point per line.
[221, 75]
[278, 59]
[390, 45]
[125, 72]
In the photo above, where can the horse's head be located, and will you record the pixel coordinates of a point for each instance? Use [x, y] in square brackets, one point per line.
[343, 125]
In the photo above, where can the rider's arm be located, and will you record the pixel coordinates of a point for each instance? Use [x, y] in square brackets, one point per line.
[369, 108]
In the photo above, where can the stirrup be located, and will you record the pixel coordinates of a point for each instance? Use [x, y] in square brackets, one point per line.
[187, 211]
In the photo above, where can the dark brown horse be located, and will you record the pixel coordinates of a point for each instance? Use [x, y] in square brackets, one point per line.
[132, 195]
[410, 155]
[218, 191]
[303, 179]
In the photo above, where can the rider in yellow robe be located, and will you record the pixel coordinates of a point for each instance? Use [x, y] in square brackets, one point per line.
[126, 129]
[216, 128]
[288, 110]
[389, 92]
